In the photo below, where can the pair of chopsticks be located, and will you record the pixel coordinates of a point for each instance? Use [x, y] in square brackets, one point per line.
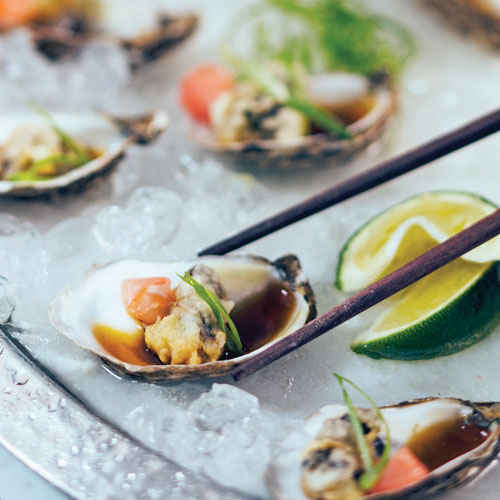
[458, 245]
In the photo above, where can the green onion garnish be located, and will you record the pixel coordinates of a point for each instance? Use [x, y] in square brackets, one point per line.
[32, 173]
[372, 471]
[324, 120]
[338, 34]
[233, 340]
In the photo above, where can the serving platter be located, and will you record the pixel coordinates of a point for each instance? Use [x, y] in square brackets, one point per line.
[37, 241]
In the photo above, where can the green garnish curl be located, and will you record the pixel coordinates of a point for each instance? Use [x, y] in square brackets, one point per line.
[66, 139]
[233, 340]
[372, 471]
[32, 174]
[329, 35]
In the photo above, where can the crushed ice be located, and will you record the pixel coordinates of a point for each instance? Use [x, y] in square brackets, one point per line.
[90, 79]
[222, 431]
[168, 200]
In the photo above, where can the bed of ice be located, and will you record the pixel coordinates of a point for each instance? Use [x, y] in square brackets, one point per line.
[167, 200]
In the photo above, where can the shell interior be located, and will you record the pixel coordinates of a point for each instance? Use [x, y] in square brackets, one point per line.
[97, 299]
[404, 420]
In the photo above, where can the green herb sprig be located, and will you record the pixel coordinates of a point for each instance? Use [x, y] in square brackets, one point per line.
[32, 174]
[333, 34]
[66, 139]
[233, 340]
[372, 471]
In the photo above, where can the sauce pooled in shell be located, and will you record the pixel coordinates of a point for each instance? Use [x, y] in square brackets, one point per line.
[259, 318]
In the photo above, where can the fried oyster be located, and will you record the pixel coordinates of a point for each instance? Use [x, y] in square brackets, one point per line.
[190, 333]
[331, 463]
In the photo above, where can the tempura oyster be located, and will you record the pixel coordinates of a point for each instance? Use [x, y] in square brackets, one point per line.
[190, 334]
[245, 114]
[436, 444]
[148, 319]
[252, 126]
[331, 462]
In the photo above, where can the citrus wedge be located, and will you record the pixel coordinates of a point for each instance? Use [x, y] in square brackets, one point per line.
[401, 233]
[443, 313]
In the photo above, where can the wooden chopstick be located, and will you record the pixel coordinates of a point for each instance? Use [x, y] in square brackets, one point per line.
[456, 246]
[383, 172]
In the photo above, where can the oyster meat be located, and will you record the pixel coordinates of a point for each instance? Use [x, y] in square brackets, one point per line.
[36, 161]
[455, 440]
[244, 114]
[176, 334]
[189, 333]
[252, 127]
[39, 146]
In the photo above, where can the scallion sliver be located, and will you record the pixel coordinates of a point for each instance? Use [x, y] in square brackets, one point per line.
[233, 340]
[372, 471]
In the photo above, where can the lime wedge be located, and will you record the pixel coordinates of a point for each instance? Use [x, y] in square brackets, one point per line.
[401, 233]
[443, 313]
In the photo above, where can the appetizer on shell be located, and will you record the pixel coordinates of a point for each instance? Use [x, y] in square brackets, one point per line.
[479, 18]
[43, 155]
[311, 79]
[60, 28]
[144, 319]
[245, 124]
[437, 444]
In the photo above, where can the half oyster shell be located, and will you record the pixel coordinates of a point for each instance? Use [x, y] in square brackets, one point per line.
[152, 45]
[404, 420]
[111, 135]
[65, 36]
[309, 150]
[479, 18]
[97, 299]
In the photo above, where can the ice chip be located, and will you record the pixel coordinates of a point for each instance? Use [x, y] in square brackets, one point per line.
[223, 405]
[160, 205]
[119, 231]
[70, 237]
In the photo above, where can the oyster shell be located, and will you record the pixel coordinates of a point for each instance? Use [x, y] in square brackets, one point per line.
[404, 420]
[110, 135]
[308, 150]
[151, 46]
[63, 37]
[97, 299]
[479, 18]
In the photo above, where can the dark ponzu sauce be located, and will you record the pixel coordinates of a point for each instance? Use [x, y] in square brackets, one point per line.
[259, 318]
[439, 443]
[349, 112]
